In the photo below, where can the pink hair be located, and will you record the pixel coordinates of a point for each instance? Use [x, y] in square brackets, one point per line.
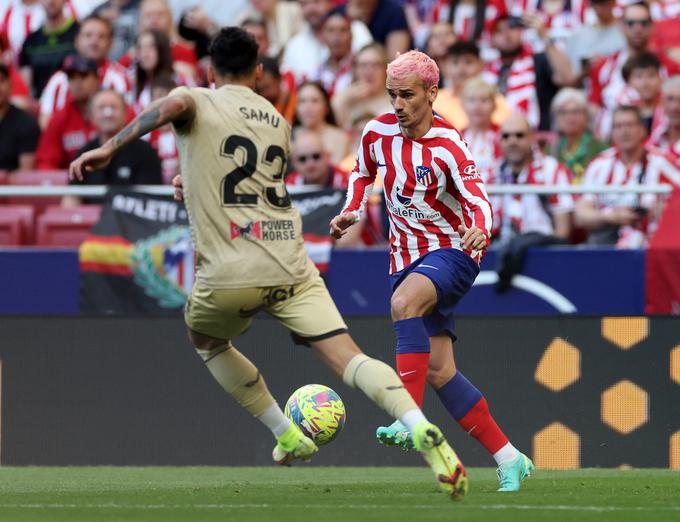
[414, 63]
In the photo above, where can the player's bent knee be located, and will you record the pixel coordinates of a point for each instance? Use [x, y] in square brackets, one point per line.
[207, 347]
[439, 376]
[402, 307]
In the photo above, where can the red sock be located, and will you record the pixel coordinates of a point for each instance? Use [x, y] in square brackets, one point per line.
[479, 424]
[412, 370]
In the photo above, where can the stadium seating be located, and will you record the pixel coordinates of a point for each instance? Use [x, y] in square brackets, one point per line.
[16, 225]
[66, 227]
[39, 178]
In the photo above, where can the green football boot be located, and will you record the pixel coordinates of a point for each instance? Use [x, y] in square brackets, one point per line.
[293, 445]
[448, 470]
[512, 473]
[396, 434]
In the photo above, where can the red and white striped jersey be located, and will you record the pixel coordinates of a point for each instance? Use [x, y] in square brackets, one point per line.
[607, 169]
[607, 85]
[520, 85]
[659, 139]
[485, 147]
[664, 9]
[112, 75]
[520, 214]
[18, 20]
[431, 186]
[335, 80]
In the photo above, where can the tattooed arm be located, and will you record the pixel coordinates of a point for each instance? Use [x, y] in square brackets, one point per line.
[178, 109]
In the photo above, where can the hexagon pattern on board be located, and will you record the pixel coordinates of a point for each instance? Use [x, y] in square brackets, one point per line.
[625, 332]
[624, 406]
[559, 366]
[557, 447]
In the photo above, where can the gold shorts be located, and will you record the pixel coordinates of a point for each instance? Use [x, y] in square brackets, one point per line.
[306, 309]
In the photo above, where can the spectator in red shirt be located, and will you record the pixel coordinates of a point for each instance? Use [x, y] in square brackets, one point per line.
[312, 165]
[481, 134]
[667, 135]
[607, 84]
[524, 164]
[626, 220]
[92, 43]
[70, 128]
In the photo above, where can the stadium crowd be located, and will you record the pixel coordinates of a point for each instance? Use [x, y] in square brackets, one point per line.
[545, 92]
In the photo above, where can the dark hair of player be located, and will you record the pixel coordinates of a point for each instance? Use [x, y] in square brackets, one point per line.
[270, 65]
[233, 52]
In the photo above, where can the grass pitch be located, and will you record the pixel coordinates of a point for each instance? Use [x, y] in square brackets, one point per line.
[318, 493]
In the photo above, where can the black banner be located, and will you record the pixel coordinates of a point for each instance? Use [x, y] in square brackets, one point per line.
[139, 258]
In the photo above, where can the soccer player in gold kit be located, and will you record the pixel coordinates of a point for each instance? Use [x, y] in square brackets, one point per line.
[233, 147]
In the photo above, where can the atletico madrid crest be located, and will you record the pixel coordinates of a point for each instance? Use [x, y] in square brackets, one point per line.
[423, 174]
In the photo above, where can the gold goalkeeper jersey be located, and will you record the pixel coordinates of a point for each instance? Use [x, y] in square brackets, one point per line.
[233, 159]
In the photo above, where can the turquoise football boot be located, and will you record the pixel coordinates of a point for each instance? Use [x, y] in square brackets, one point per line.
[395, 434]
[512, 473]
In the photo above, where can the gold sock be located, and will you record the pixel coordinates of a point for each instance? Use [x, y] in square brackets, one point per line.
[239, 377]
[377, 380]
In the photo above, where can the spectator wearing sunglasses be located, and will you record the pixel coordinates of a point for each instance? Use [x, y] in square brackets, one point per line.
[523, 163]
[606, 78]
[312, 164]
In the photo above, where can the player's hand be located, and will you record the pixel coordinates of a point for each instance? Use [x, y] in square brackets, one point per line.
[341, 222]
[177, 183]
[92, 160]
[472, 238]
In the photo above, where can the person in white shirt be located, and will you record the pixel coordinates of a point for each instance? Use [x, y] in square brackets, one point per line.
[306, 52]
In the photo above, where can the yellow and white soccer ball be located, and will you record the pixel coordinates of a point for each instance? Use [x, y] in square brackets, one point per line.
[318, 411]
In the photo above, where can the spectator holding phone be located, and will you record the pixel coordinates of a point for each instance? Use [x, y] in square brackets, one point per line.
[625, 220]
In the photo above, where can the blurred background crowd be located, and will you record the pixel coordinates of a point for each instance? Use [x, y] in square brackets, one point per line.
[545, 92]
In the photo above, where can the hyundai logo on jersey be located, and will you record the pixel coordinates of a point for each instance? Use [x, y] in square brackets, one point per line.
[403, 199]
[423, 174]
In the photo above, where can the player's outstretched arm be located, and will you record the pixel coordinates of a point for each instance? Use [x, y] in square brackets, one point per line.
[179, 109]
[341, 222]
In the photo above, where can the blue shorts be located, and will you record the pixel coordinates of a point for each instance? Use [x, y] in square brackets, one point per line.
[452, 272]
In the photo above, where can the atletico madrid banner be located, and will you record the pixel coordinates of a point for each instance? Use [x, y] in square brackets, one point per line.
[139, 258]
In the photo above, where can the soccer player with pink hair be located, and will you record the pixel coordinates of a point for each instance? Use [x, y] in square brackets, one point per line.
[440, 223]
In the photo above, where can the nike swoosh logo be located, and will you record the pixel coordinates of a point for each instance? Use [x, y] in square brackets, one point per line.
[428, 266]
[244, 313]
[401, 374]
[378, 164]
